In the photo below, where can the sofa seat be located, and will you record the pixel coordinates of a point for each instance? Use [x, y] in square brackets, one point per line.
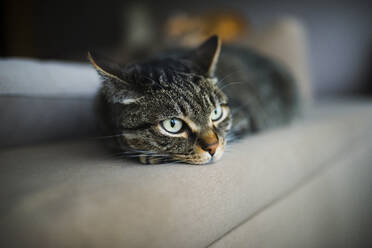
[304, 185]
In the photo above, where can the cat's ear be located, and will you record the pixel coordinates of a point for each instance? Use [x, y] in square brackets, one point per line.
[117, 90]
[206, 55]
[106, 69]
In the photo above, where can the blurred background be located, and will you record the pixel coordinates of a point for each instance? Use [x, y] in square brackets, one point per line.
[339, 32]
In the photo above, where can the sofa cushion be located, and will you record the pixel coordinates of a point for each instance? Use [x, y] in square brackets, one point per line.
[35, 78]
[45, 100]
[75, 194]
[330, 209]
[29, 120]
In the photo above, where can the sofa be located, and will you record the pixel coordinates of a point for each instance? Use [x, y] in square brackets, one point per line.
[307, 184]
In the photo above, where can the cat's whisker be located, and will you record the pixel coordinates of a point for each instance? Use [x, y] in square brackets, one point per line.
[226, 76]
[230, 84]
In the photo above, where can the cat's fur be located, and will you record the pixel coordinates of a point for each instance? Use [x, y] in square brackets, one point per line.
[254, 93]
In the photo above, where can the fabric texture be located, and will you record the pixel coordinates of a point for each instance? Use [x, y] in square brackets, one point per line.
[42, 101]
[30, 77]
[30, 120]
[74, 194]
[330, 209]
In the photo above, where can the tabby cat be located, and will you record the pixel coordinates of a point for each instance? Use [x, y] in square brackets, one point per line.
[183, 106]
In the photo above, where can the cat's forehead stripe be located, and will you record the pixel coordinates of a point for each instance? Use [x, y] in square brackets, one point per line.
[193, 126]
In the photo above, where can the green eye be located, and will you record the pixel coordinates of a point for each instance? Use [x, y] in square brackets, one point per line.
[172, 125]
[217, 113]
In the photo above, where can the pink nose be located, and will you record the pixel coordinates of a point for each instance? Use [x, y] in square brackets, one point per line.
[211, 148]
[208, 141]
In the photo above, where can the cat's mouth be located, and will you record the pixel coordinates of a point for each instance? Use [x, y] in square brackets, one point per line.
[198, 157]
[201, 156]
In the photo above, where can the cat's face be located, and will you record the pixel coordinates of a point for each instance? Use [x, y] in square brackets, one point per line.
[169, 109]
[186, 124]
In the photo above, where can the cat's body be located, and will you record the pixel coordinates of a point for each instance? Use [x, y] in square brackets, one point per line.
[182, 106]
[262, 93]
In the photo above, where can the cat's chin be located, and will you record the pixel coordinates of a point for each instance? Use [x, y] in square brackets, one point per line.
[207, 158]
[204, 162]
[218, 155]
[201, 157]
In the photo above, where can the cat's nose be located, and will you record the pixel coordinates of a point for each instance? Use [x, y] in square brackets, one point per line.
[209, 142]
[211, 148]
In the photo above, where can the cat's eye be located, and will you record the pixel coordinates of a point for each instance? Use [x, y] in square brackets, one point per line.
[172, 125]
[217, 113]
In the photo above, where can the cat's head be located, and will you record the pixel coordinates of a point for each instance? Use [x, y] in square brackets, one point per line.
[169, 108]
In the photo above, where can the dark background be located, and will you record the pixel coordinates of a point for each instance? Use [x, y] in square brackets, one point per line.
[339, 32]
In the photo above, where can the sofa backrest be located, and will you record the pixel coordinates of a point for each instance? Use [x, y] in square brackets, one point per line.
[43, 101]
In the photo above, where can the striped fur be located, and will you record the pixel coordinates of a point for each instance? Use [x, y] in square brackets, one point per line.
[189, 85]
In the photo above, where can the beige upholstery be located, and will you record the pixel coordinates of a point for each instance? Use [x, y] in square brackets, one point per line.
[332, 209]
[74, 194]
